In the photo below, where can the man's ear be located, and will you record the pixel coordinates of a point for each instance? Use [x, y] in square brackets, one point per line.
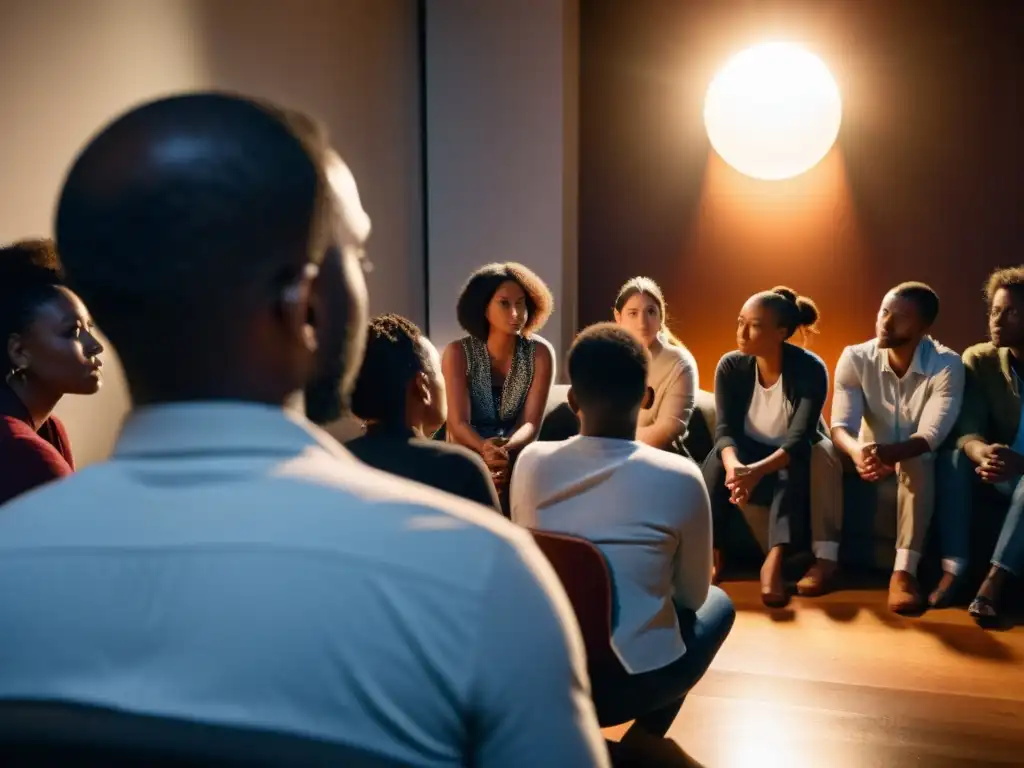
[571, 399]
[297, 308]
[421, 385]
[648, 400]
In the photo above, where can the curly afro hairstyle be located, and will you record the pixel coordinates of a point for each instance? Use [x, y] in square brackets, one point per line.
[30, 271]
[478, 291]
[394, 356]
[608, 366]
[1010, 278]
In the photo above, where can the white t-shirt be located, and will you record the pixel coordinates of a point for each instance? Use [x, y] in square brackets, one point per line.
[648, 512]
[769, 414]
[234, 565]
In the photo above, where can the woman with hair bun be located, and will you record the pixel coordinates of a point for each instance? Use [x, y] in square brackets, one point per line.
[640, 309]
[49, 351]
[768, 396]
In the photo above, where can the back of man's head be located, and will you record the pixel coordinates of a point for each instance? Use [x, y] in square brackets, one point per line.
[185, 225]
[608, 369]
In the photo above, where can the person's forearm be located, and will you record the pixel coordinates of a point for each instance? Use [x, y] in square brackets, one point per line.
[658, 435]
[465, 435]
[771, 464]
[904, 451]
[525, 434]
[846, 442]
[973, 449]
[730, 458]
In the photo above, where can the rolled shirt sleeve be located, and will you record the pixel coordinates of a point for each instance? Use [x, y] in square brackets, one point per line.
[848, 397]
[942, 409]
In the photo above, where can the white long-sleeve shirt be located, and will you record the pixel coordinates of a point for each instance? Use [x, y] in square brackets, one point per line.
[648, 512]
[924, 403]
[233, 565]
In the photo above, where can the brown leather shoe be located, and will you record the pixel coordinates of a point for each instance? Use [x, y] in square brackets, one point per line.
[904, 594]
[819, 579]
[944, 593]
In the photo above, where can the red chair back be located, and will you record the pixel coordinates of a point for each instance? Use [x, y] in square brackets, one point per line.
[584, 574]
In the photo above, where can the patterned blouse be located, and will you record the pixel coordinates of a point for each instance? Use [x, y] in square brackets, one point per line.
[494, 411]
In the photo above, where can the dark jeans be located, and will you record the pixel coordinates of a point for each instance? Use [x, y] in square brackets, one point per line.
[956, 483]
[786, 493]
[654, 698]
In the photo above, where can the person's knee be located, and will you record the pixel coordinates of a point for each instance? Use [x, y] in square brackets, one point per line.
[919, 470]
[826, 465]
[723, 607]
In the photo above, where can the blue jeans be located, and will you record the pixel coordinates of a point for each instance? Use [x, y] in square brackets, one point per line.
[955, 483]
[654, 698]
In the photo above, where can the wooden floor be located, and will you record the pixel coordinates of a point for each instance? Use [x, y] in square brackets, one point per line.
[840, 682]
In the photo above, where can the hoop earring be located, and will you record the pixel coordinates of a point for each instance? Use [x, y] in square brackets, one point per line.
[18, 372]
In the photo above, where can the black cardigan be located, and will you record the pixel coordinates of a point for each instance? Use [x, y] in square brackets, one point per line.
[804, 382]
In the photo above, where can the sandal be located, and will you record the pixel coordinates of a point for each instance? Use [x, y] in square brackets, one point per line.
[983, 610]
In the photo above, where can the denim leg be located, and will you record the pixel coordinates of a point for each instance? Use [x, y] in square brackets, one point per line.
[703, 632]
[954, 480]
[1009, 552]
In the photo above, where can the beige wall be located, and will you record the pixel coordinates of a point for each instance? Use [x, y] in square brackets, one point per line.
[70, 66]
[502, 88]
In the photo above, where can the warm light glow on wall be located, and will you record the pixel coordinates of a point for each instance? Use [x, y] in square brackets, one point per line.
[773, 112]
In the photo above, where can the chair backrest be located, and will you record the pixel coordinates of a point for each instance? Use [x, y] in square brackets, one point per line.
[36, 733]
[584, 574]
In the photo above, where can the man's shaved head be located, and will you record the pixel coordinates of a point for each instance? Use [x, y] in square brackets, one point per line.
[189, 225]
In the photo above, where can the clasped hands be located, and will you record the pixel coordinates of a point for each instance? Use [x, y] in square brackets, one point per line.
[495, 456]
[999, 463]
[874, 462]
[741, 480]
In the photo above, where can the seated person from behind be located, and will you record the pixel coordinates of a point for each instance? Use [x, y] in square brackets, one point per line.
[896, 400]
[768, 397]
[647, 511]
[231, 563]
[400, 396]
[640, 309]
[991, 436]
[499, 375]
[50, 350]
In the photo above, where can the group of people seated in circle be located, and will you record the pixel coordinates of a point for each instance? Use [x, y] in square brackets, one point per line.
[233, 563]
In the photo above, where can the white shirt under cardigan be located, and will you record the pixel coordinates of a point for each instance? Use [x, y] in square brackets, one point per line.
[648, 512]
[233, 564]
[769, 413]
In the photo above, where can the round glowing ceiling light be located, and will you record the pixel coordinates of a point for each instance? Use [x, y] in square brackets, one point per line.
[773, 112]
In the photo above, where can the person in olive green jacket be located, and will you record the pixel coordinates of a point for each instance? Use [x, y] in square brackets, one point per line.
[991, 433]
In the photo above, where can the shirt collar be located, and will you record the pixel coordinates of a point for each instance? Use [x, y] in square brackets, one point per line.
[918, 363]
[217, 428]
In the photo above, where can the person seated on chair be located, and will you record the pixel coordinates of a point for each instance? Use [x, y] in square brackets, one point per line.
[896, 400]
[231, 563]
[640, 309]
[768, 396]
[990, 440]
[499, 375]
[647, 511]
[400, 396]
[50, 350]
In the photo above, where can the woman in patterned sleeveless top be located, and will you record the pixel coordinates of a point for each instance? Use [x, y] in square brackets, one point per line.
[500, 374]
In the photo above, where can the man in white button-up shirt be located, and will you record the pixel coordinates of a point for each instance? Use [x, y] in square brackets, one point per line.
[896, 400]
[232, 564]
